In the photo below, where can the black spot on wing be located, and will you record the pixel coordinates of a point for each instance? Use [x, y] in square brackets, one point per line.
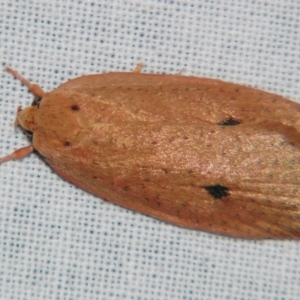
[217, 191]
[229, 122]
[75, 107]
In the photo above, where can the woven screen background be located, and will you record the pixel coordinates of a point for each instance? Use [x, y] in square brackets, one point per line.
[59, 242]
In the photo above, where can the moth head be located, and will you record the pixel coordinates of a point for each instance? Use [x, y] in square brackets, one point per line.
[25, 118]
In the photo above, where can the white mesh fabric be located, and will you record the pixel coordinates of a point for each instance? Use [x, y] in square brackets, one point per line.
[58, 242]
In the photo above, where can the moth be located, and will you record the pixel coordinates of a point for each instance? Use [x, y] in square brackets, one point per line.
[195, 152]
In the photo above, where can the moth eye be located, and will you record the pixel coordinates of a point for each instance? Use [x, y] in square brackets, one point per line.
[36, 101]
[217, 191]
[229, 122]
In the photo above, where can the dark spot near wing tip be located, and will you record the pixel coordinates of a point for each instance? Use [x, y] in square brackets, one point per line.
[75, 107]
[229, 122]
[166, 171]
[67, 144]
[126, 188]
[217, 191]
[95, 177]
[36, 101]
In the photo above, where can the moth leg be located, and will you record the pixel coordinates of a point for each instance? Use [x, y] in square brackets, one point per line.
[18, 154]
[138, 68]
[33, 88]
[180, 72]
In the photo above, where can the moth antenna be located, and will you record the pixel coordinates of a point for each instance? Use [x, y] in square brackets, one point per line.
[33, 88]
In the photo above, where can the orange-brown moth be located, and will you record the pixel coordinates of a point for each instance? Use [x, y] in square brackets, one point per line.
[198, 153]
